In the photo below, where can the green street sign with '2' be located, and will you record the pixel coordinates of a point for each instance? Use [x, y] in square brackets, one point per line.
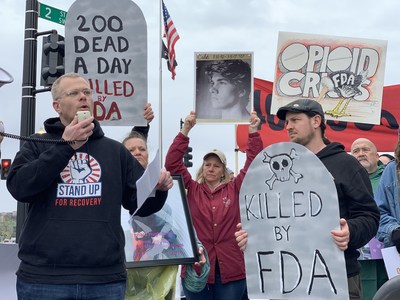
[52, 14]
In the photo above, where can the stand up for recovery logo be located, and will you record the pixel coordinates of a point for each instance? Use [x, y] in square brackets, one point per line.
[80, 180]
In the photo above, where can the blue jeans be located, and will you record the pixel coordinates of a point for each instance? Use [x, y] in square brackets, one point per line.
[233, 290]
[39, 291]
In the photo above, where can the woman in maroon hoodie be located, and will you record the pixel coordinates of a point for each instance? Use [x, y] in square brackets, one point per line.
[214, 206]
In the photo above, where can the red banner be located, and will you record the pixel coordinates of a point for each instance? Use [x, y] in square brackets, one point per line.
[272, 130]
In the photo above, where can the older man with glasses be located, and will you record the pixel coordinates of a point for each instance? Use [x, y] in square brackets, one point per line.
[72, 243]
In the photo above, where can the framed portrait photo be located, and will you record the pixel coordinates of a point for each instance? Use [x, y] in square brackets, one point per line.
[163, 238]
[224, 86]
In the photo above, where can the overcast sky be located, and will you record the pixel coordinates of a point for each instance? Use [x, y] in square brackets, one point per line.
[204, 26]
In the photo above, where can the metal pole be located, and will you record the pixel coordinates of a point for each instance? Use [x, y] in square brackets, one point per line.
[236, 153]
[160, 117]
[28, 107]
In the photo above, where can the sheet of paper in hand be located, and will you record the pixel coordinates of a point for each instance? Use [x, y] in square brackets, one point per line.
[289, 206]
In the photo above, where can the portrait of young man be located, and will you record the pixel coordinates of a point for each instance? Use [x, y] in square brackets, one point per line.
[223, 87]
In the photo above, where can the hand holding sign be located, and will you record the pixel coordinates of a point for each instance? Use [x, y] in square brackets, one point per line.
[341, 236]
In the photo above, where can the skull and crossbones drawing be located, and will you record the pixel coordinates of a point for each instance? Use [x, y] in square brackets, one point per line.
[281, 167]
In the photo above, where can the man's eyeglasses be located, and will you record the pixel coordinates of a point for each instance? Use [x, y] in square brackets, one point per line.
[76, 93]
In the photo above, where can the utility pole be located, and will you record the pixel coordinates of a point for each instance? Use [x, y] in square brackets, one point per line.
[28, 105]
[54, 67]
[29, 91]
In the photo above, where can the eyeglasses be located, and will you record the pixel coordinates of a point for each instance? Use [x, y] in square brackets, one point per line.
[76, 93]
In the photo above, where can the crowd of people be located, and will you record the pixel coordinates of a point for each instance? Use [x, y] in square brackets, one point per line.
[77, 251]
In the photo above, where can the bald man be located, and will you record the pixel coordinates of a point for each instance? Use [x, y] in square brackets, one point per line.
[366, 153]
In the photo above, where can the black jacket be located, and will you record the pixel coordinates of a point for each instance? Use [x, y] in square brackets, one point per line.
[73, 233]
[356, 200]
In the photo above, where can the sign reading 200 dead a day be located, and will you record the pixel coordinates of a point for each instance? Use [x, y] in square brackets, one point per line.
[289, 206]
[106, 42]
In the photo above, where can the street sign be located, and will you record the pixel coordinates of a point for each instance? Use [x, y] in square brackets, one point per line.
[52, 14]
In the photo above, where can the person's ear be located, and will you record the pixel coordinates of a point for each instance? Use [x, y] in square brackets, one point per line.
[56, 106]
[317, 121]
[242, 93]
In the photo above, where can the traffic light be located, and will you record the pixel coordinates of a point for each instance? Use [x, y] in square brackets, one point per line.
[5, 168]
[187, 157]
[52, 58]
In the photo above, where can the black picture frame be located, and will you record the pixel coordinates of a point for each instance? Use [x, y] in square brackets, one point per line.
[153, 241]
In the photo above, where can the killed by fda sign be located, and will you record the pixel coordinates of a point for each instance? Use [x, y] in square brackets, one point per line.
[289, 206]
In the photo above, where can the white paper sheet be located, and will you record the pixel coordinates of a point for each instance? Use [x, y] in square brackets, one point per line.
[147, 183]
[392, 261]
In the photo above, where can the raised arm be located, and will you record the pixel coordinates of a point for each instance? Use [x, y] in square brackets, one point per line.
[254, 146]
[190, 122]
[174, 159]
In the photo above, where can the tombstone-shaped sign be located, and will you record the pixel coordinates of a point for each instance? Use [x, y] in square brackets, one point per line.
[106, 42]
[289, 206]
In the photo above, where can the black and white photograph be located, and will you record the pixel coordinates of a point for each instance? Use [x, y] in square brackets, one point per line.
[224, 84]
[164, 238]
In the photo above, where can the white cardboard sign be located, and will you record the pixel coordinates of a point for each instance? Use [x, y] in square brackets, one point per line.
[289, 206]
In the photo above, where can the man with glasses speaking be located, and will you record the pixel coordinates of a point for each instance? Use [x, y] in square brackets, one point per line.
[72, 243]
